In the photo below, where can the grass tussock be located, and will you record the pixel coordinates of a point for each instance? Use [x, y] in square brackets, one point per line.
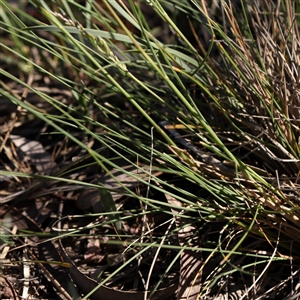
[146, 137]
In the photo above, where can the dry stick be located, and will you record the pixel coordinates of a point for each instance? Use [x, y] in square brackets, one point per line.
[26, 274]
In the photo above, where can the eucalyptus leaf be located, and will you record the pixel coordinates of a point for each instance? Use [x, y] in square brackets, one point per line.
[110, 206]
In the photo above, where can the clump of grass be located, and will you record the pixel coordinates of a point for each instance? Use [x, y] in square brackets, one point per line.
[212, 105]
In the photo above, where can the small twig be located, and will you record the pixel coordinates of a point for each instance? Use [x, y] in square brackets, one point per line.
[26, 273]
